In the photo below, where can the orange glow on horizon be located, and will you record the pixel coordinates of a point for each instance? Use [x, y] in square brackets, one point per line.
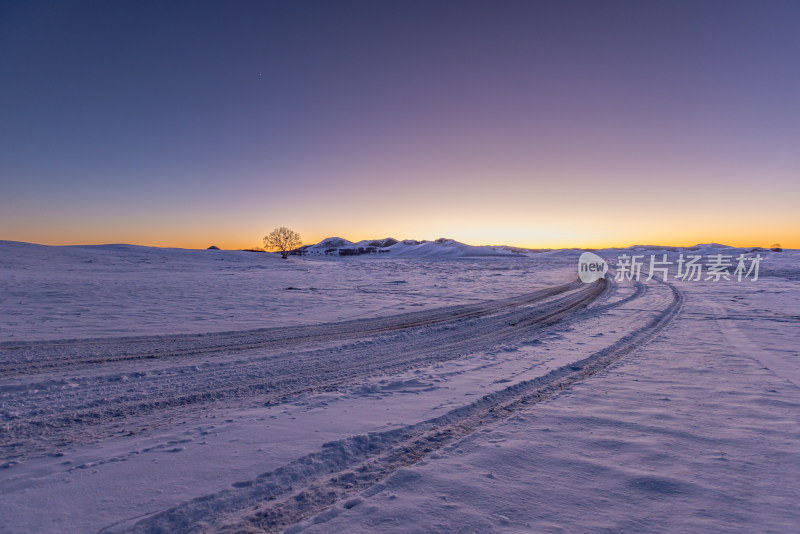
[226, 243]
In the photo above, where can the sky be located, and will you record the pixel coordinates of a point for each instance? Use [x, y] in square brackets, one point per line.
[536, 123]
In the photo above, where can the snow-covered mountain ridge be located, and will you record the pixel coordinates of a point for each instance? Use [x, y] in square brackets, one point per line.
[337, 246]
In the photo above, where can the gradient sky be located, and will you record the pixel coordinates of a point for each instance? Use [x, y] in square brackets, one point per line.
[539, 124]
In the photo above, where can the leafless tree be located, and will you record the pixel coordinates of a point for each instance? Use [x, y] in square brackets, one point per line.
[282, 240]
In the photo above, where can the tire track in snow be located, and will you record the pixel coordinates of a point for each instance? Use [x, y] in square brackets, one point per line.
[43, 416]
[356, 465]
[24, 358]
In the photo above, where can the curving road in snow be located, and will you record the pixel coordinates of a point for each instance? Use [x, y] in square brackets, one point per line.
[343, 469]
[58, 394]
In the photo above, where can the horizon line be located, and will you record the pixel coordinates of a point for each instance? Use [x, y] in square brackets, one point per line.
[252, 249]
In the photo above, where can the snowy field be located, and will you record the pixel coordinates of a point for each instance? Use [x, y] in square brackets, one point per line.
[473, 390]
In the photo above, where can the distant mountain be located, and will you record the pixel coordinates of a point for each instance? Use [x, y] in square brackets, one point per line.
[407, 248]
[708, 245]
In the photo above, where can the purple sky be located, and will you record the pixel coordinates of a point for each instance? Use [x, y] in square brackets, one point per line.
[527, 123]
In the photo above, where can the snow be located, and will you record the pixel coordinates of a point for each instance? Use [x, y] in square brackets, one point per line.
[145, 389]
[696, 433]
[407, 248]
[120, 290]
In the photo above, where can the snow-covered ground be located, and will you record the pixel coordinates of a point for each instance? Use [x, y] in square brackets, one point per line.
[174, 390]
[120, 290]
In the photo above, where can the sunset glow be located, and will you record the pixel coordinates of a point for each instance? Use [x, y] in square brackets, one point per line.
[534, 124]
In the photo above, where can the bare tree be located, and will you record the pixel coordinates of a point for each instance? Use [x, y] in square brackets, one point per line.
[282, 240]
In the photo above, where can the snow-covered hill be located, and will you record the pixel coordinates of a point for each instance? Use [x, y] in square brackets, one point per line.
[449, 248]
[408, 248]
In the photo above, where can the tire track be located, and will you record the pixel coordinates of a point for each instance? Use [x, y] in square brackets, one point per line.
[42, 416]
[25, 358]
[342, 469]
